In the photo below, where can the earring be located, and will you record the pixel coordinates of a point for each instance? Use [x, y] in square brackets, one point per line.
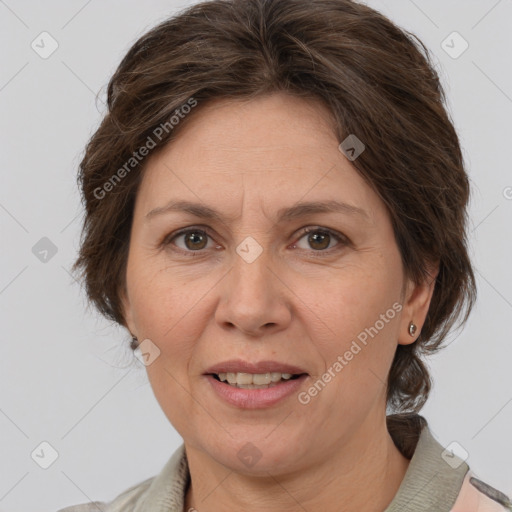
[135, 342]
[412, 329]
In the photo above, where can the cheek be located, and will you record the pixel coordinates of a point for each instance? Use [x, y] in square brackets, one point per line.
[158, 297]
[349, 303]
[355, 328]
[171, 392]
[156, 310]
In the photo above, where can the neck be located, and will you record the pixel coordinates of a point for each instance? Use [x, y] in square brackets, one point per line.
[363, 476]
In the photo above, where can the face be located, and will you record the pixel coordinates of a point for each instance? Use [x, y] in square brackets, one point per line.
[254, 284]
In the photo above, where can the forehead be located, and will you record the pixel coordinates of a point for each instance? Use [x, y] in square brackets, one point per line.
[274, 150]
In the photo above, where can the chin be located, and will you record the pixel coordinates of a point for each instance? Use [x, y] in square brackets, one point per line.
[258, 455]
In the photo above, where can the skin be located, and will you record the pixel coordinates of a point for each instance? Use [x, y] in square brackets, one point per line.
[248, 159]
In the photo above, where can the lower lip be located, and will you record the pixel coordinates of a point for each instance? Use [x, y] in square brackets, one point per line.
[256, 398]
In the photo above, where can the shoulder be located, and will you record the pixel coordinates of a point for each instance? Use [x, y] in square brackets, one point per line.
[436, 478]
[477, 496]
[85, 507]
[125, 502]
[166, 487]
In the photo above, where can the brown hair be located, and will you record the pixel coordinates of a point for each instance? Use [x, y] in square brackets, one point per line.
[378, 82]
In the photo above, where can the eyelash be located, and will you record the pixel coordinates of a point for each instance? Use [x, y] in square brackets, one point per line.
[343, 241]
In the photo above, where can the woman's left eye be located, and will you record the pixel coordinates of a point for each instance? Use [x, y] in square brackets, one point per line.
[195, 240]
[320, 239]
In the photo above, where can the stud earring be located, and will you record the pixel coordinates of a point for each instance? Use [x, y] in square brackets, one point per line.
[412, 329]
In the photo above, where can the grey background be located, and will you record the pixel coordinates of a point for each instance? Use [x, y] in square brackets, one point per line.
[66, 375]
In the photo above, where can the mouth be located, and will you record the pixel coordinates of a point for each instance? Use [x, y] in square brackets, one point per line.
[254, 380]
[254, 385]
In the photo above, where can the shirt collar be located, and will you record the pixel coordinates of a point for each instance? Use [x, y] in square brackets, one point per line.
[167, 491]
[434, 477]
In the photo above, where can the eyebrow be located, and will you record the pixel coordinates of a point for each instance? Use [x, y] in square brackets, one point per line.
[297, 211]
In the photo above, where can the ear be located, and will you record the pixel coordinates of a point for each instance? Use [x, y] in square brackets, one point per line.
[127, 311]
[416, 302]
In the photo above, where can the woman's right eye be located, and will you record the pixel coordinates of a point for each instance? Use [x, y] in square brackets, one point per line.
[193, 240]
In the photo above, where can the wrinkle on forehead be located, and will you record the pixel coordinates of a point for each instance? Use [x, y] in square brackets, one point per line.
[257, 157]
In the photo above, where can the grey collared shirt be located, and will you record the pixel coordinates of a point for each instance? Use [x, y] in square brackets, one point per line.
[431, 484]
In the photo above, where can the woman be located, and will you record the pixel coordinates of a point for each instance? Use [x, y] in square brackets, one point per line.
[276, 211]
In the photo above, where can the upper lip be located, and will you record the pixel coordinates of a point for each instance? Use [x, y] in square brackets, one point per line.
[240, 366]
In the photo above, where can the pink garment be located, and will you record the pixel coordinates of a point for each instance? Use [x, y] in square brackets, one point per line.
[471, 499]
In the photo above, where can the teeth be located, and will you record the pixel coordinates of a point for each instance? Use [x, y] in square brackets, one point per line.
[276, 377]
[244, 378]
[261, 379]
[250, 380]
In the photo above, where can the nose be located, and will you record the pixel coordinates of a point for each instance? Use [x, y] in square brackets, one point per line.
[253, 297]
